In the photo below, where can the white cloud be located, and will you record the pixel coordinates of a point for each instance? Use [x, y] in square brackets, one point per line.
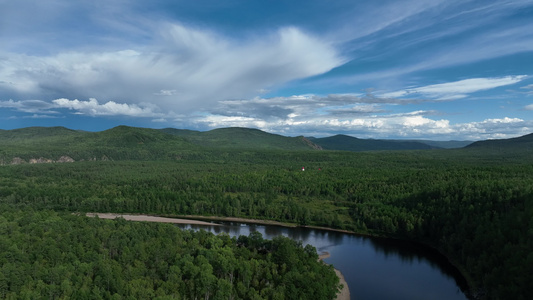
[529, 107]
[202, 65]
[409, 125]
[352, 115]
[38, 116]
[161, 120]
[467, 86]
[166, 93]
[528, 88]
[110, 108]
[457, 89]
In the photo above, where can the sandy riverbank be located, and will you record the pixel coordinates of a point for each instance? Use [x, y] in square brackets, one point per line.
[146, 218]
[344, 294]
[240, 220]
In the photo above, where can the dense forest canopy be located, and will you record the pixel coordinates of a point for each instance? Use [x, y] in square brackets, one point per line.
[475, 205]
[46, 254]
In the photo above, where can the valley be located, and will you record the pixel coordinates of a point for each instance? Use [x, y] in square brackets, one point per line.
[472, 204]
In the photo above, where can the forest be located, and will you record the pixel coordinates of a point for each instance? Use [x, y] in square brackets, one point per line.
[474, 206]
[55, 255]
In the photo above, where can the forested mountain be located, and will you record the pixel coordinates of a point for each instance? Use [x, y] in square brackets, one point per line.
[36, 133]
[522, 143]
[441, 144]
[243, 138]
[51, 144]
[348, 143]
[119, 143]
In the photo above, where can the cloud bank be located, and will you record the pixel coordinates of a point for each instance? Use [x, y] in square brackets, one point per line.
[184, 70]
[363, 115]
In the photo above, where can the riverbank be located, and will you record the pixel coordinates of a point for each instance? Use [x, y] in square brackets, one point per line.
[235, 219]
[344, 293]
[193, 219]
[146, 218]
[470, 286]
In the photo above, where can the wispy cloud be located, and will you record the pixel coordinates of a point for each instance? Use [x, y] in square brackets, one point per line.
[166, 93]
[29, 106]
[37, 116]
[528, 88]
[457, 89]
[437, 35]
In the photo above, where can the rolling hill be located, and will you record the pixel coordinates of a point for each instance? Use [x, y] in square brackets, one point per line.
[48, 144]
[441, 144]
[243, 138]
[522, 143]
[348, 143]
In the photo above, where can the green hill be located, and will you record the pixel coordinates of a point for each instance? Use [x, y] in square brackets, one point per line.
[36, 133]
[50, 144]
[442, 144]
[518, 144]
[47, 144]
[348, 143]
[243, 138]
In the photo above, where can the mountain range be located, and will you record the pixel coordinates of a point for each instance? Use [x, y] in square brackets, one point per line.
[125, 142]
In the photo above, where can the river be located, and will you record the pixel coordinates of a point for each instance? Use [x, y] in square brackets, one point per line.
[374, 268]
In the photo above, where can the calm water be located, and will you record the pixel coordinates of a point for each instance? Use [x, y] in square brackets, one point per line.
[373, 268]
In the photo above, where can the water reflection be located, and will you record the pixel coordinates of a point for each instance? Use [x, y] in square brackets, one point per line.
[375, 268]
[411, 253]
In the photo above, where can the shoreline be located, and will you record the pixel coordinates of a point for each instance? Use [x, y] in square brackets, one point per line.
[235, 219]
[470, 286]
[344, 293]
[147, 218]
[192, 219]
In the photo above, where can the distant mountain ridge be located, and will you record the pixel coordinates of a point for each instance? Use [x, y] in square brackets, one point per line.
[60, 144]
[242, 138]
[349, 143]
[441, 144]
[524, 142]
[50, 144]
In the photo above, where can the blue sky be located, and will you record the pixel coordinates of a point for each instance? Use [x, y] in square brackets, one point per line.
[429, 69]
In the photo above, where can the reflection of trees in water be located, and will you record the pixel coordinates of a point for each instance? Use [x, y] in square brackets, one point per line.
[409, 252]
[272, 231]
[306, 235]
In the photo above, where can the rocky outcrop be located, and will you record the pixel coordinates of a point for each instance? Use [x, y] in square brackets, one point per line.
[64, 159]
[17, 161]
[40, 160]
[311, 144]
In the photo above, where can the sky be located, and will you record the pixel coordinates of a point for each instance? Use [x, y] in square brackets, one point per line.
[399, 69]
